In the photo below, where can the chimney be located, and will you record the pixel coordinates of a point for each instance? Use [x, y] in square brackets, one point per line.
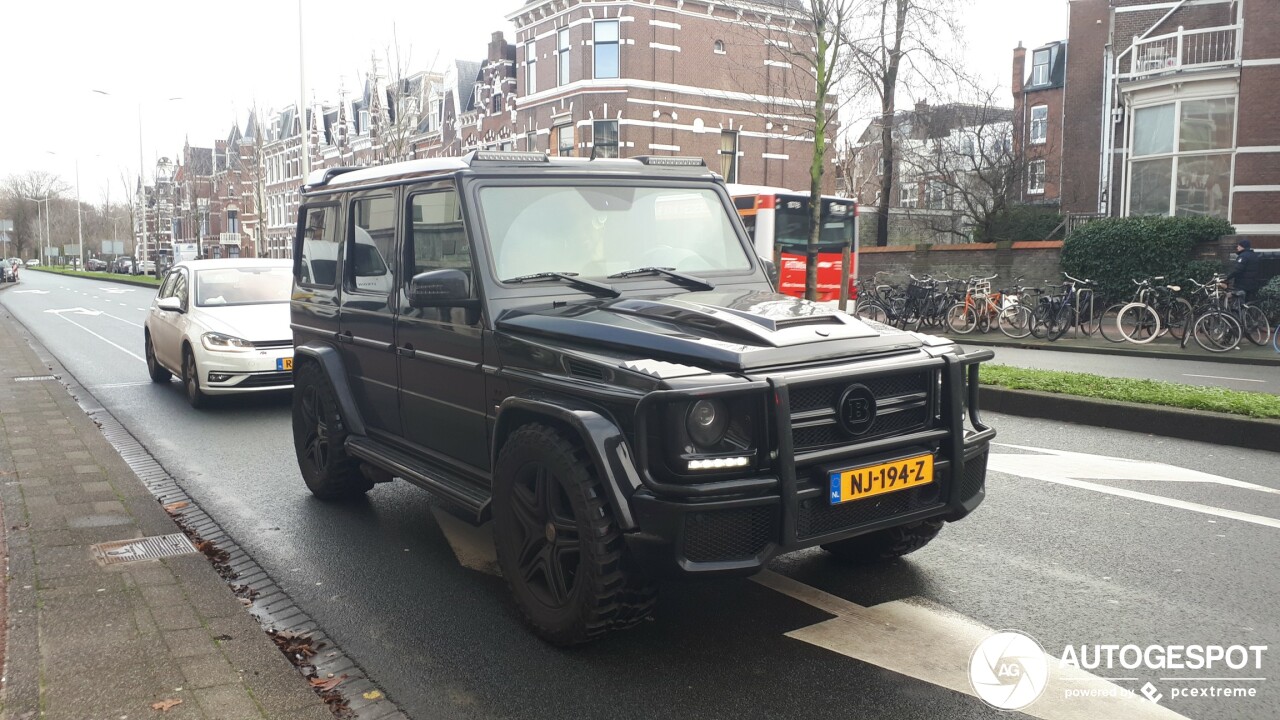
[922, 107]
[497, 46]
[1019, 68]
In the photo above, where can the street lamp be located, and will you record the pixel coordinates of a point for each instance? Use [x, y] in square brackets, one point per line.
[79, 214]
[142, 189]
[37, 201]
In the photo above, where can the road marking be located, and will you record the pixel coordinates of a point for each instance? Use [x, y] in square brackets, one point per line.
[30, 292]
[76, 310]
[926, 641]
[1219, 377]
[117, 291]
[127, 322]
[473, 546]
[109, 386]
[82, 311]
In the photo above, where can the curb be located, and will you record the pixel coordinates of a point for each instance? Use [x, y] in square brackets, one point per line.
[1200, 425]
[1120, 350]
[122, 281]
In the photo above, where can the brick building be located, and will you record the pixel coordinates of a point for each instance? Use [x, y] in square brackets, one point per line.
[1174, 109]
[1038, 111]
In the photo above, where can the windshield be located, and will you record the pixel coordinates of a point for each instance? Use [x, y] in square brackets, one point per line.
[793, 221]
[243, 286]
[598, 231]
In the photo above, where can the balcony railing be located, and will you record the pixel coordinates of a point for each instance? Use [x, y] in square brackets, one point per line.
[1184, 50]
[228, 238]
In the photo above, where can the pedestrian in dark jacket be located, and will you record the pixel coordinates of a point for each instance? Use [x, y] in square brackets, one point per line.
[1245, 274]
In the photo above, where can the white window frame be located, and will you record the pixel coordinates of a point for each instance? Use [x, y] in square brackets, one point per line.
[1039, 126]
[1040, 71]
[596, 44]
[1036, 172]
[909, 194]
[1175, 154]
[530, 67]
[562, 56]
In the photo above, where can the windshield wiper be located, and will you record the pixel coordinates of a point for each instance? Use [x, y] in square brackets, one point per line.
[570, 278]
[667, 272]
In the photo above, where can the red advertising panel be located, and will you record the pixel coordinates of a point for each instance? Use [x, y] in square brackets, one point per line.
[791, 275]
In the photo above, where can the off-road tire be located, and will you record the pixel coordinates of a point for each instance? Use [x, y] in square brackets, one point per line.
[884, 545]
[158, 372]
[545, 488]
[191, 380]
[319, 434]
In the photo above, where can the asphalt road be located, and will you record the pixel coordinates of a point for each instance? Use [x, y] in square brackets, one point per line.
[1252, 378]
[1133, 540]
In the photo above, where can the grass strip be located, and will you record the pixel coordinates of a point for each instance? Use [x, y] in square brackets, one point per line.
[1149, 392]
[117, 277]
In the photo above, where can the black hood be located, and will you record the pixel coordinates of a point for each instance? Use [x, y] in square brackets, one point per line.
[720, 330]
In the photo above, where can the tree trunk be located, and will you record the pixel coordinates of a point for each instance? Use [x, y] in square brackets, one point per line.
[888, 108]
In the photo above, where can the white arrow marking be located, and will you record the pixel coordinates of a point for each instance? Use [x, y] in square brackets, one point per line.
[82, 311]
[76, 310]
[30, 292]
[928, 642]
[117, 291]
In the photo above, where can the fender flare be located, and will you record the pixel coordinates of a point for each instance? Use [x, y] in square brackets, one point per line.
[331, 364]
[600, 435]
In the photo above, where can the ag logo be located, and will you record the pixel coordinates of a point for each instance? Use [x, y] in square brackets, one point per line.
[1008, 670]
[856, 409]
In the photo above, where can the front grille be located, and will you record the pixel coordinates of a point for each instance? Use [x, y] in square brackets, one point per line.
[270, 344]
[737, 534]
[975, 472]
[267, 379]
[816, 517]
[904, 402]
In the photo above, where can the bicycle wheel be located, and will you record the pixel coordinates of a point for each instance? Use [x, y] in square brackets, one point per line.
[1138, 323]
[1109, 323]
[1060, 322]
[1015, 321]
[872, 311]
[1217, 332]
[1254, 323]
[1179, 317]
[1275, 339]
[961, 318]
[1041, 317]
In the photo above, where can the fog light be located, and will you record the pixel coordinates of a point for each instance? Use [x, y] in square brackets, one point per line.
[719, 463]
[219, 377]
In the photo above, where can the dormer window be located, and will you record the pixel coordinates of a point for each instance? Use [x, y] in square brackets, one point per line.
[1040, 67]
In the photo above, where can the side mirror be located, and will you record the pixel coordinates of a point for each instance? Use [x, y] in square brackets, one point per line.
[171, 304]
[439, 288]
[771, 270]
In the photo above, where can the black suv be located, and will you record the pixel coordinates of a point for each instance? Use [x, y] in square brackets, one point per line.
[590, 354]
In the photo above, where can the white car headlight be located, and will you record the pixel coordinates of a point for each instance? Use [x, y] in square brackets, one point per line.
[224, 343]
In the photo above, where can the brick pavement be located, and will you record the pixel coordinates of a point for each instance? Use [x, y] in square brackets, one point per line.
[88, 641]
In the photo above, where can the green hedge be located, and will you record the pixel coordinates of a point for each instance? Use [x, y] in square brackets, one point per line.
[1269, 299]
[1024, 222]
[1115, 251]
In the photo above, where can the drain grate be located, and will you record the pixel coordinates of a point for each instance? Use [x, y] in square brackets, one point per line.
[32, 378]
[150, 548]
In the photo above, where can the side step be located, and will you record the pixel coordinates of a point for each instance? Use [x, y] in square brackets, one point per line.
[471, 500]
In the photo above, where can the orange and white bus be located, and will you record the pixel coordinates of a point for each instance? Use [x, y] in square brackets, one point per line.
[778, 222]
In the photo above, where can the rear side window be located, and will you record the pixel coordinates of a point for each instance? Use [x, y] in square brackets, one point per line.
[370, 244]
[316, 257]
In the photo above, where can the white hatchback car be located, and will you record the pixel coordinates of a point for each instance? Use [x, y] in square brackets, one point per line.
[222, 326]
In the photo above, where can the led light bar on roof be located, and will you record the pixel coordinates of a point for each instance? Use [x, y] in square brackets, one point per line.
[510, 156]
[668, 161]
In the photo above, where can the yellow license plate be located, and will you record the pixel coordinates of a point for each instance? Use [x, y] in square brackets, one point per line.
[864, 482]
[284, 364]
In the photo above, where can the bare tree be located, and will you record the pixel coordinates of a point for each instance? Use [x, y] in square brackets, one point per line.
[909, 46]
[29, 217]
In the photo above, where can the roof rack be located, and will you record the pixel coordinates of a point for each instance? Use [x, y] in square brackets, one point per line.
[670, 161]
[322, 177]
[505, 157]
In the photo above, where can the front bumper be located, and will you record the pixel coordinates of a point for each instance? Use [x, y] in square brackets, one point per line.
[256, 371]
[790, 510]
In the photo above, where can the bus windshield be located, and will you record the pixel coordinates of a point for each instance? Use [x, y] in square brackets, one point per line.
[792, 222]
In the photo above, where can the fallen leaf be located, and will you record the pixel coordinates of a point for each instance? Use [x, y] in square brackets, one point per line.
[176, 506]
[324, 685]
[373, 695]
[164, 705]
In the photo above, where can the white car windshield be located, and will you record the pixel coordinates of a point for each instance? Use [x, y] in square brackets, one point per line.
[243, 286]
[596, 231]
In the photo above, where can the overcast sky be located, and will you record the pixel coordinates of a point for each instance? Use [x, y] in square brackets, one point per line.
[220, 58]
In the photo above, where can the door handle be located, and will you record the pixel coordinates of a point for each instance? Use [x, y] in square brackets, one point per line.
[405, 350]
[345, 337]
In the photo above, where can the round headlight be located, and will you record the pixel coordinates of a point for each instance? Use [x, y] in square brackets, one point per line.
[707, 422]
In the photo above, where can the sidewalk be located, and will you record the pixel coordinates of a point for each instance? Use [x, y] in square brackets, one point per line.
[1164, 348]
[137, 639]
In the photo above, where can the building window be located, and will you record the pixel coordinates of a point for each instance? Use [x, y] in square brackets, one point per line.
[233, 221]
[1181, 158]
[1039, 124]
[364, 122]
[909, 195]
[562, 56]
[880, 165]
[1040, 67]
[719, 47]
[497, 103]
[564, 140]
[604, 139]
[606, 49]
[531, 141]
[729, 155]
[530, 68]
[936, 195]
[1035, 177]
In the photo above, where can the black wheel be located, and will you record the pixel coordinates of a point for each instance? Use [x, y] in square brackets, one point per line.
[872, 311]
[1109, 323]
[885, 545]
[157, 371]
[558, 546]
[319, 436]
[191, 380]
[1254, 322]
[1179, 318]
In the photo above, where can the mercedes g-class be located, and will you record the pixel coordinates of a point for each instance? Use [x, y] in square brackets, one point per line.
[589, 355]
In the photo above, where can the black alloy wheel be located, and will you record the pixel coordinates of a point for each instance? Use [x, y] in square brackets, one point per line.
[319, 438]
[158, 372]
[191, 380]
